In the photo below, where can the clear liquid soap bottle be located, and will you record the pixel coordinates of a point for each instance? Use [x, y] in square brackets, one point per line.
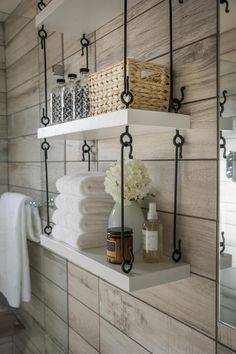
[152, 236]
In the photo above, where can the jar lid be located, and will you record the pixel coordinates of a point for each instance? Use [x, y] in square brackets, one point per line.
[60, 81]
[72, 76]
[116, 231]
[84, 70]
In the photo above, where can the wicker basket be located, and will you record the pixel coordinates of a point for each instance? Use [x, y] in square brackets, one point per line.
[148, 82]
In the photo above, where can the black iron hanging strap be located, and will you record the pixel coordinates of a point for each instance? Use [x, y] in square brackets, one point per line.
[178, 142]
[86, 150]
[175, 103]
[222, 243]
[223, 144]
[45, 146]
[85, 45]
[126, 96]
[226, 3]
[126, 141]
[223, 102]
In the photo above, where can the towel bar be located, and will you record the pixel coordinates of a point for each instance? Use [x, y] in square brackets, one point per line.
[35, 204]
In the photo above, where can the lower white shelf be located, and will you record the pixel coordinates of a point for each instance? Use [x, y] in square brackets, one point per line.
[143, 275]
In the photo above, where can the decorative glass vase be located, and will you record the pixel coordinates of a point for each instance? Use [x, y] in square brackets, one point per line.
[134, 218]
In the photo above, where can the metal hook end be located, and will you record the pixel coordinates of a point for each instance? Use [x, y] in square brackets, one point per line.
[127, 265]
[177, 253]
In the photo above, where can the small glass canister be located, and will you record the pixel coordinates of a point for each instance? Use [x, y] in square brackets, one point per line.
[114, 252]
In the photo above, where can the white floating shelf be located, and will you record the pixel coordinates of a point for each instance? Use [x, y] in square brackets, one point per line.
[143, 275]
[76, 17]
[111, 125]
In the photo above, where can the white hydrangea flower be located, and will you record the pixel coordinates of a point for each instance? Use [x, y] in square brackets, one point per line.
[136, 181]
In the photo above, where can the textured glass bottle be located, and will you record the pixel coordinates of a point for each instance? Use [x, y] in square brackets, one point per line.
[84, 93]
[152, 236]
[57, 102]
[69, 98]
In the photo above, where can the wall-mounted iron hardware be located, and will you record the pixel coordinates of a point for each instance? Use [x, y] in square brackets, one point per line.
[223, 144]
[178, 142]
[175, 103]
[41, 5]
[87, 150]
[85, 45]
[45, 146]
[222, 103]
[226, 3]
[222, 243]
[126, 96]
[126, 141]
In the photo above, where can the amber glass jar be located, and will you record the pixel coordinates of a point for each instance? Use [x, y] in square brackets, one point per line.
[114, 252]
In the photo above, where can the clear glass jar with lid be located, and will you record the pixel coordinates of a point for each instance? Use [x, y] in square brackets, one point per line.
[84, 93]
[57, 102]
[69, 98]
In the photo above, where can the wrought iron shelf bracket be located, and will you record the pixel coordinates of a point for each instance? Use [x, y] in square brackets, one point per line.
[126, 141]
[86, 150]
[223, 144]
[226, 3]
[178, 142]
[223, 102]
[85, 45]
[222, 243]
[45, 146]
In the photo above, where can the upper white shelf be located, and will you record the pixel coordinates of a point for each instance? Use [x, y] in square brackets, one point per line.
[143, 275]
[76, 17]
[111, 125]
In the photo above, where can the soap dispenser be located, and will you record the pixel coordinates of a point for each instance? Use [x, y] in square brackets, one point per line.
[152, 236]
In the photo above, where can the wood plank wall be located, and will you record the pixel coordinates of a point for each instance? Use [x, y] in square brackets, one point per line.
[3, 118]
[175, 318]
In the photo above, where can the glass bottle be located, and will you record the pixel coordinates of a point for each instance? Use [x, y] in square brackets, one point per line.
[84, 93]
[152, 236]
[57, 102]
[69, 98]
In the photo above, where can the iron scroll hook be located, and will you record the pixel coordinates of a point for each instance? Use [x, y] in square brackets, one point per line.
[178, 142]
[86, 150]
[126, 141]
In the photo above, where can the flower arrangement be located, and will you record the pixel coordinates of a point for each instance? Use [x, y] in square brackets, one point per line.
[136, 181]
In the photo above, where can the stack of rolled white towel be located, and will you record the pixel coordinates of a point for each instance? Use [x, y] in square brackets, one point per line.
[83, 209]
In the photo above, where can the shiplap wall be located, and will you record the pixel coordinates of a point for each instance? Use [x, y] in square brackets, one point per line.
[175, 318]
[3, 118]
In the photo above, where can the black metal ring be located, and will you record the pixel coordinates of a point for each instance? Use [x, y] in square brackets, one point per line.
[127, 98]
[41, 5]
[45, 120]
[45, 146]
[84, 41]
[176, 142]
[42, 33]
[128, 265]
[48, 230]
[127, 143]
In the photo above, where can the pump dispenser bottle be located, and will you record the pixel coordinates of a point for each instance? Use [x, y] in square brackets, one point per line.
[152, 236]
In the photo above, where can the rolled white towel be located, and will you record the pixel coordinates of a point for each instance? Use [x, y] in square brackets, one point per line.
[84, 184]
[84, 205]
[80, 223]
[80, 241]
